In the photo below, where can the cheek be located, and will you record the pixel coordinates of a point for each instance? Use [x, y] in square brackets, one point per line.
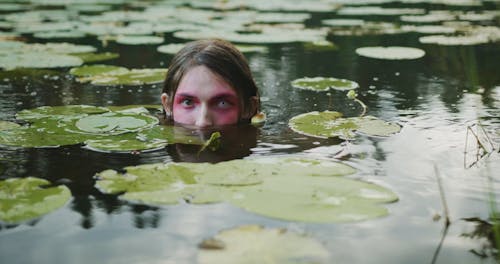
[182, 115]
[226, 117]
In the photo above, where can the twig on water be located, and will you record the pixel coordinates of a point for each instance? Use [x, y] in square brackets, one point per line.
[353, 96]
[446, 215]
[481, 146]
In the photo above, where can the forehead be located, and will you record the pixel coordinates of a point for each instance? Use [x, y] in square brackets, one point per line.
[200, 80]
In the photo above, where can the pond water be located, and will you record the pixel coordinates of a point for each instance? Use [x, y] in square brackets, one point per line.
[434, 99]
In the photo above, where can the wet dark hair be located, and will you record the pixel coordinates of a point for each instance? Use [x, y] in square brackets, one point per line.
[223, 59]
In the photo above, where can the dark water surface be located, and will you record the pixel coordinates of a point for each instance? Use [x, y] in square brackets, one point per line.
[434, 99]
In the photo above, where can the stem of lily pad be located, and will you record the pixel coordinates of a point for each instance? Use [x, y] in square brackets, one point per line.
[353, 96]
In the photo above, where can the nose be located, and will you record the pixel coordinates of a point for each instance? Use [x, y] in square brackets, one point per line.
[204, 118]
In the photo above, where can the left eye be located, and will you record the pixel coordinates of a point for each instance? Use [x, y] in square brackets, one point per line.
[223, 104]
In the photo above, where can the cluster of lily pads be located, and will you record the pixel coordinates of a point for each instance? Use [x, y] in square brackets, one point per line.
[287, 188]
[110, 129]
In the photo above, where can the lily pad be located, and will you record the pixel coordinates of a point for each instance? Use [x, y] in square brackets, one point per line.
[131, 77]
[58, 112]
[37, 60]
[288, 188]
[391, 53]
[100, 69]
[93, 57]
[139, 40]
[27, 198]
[255, 244]
[170, 48]
[60, 34]
[6, 125]
[114, 123]
[127, 143]
[455, 40]
[329, 124]
[324, 84]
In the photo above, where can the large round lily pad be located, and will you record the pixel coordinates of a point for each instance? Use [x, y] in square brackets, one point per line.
[115, 129]
[324, 84]
[37, 60]
[139, 40]
[255, 244]
[99, 69]
[391, 53]
[131, 77]
[331, 124]
[114, 123]
[28, 198]
[288, 188]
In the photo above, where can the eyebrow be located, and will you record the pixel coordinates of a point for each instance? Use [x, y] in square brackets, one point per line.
[217, 96]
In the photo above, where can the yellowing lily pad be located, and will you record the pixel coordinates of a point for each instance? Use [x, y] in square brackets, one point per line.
[100, 69]
[93, 57]
[329, 124]
[131, 77]
[6, 125]
[324, 84]
[287, 188]
[27, 198]
[391, 53]
[255, 244]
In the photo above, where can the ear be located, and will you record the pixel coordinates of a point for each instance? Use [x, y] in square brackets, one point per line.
[253, 107]
[166, 106]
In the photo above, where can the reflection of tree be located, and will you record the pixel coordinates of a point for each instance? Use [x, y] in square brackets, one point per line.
[145, 216]
[488, 232]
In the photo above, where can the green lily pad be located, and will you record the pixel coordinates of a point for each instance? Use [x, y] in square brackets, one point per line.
[58, 48]
[173, 134]
[60, 35]
[58, 112]
[391, 53]
[93, 57]
[126, 143]
[6, 125]
[170, 48]
[455, 40]
[99, 69]
[288, 188]
[329, 124]
[114, 123]
[324, 84]
[322, 45]
[37, 60]
[132, 77]
[255, 244]
[139, 40]
[27, 198]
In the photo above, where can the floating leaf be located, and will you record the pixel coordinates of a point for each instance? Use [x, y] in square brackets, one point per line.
[100, 69]
[391, 53]
[288, 188]
[139, 40]
[58, 112]
[322, 45]
[27, 198]
[331, 124]
[115, 123]
[37, 60]
[6, 125]
[60, 35]
[324, 84]
[255, 244]
[170, 48]
[455, 40]
[93, 57]
[132, 77]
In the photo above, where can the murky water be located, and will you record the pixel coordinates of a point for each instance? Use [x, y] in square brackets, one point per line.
[434, 99]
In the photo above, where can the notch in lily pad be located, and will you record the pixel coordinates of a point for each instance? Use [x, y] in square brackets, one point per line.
[324, 84]
[23, 199]
[330, 124]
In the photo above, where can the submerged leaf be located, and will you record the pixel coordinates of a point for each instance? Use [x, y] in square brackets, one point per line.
[329, 124]
[255, 244]
[27, 198]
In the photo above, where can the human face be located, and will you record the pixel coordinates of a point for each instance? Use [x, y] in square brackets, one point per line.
[204, 99]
